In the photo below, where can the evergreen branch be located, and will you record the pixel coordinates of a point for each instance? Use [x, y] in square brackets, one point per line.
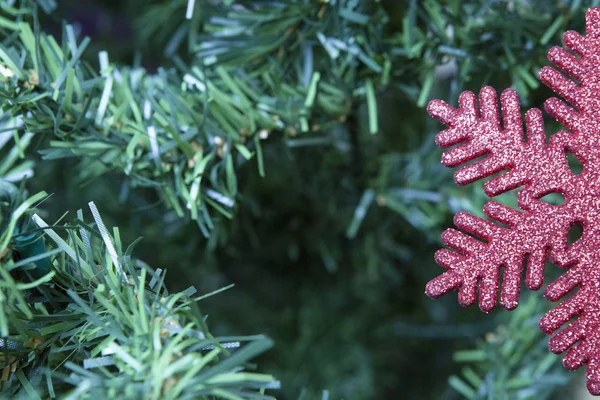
[513, 361]
[106, 326]
[185, 135]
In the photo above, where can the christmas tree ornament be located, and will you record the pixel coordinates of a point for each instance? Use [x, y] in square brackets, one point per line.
[511, 240]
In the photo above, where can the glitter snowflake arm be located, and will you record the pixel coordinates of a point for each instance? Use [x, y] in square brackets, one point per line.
[581, 311]
[483, 136]
[543, 169]
[539, 167]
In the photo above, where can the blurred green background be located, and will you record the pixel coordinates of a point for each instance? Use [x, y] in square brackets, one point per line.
[342, 297]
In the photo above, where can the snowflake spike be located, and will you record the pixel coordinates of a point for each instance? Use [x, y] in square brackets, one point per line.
[592, 27]
[566, 338]
[489, 105]
[446, 258]
[467, 292]
[534, 278]
[462, 243]
[488, 291]
[576, 357]
[566, 61]
[563, 285]
[477, 226]
[461, 154]
[503, 183]
[562, 86]
[559, 315]
[574, 41]
[448, 116]
[468, 105]
[443, 284]
[503, 214]
[561, 112]
[536, 134]
[511, 285]
[473, 172]
[511, 112]
[443, 112]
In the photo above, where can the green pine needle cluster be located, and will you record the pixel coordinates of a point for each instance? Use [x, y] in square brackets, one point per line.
[185, 130]
[512, 362]
[102, 324]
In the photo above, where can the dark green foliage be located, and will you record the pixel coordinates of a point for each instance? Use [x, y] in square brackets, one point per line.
[512, 362]
[102, 324]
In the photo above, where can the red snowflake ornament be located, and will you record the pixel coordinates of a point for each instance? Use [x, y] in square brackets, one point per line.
[524, 238]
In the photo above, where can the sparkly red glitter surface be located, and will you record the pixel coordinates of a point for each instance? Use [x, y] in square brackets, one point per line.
[517, 239]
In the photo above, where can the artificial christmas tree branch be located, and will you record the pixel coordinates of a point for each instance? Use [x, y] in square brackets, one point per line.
[511, 361]
[183, 133]
[102, 323]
